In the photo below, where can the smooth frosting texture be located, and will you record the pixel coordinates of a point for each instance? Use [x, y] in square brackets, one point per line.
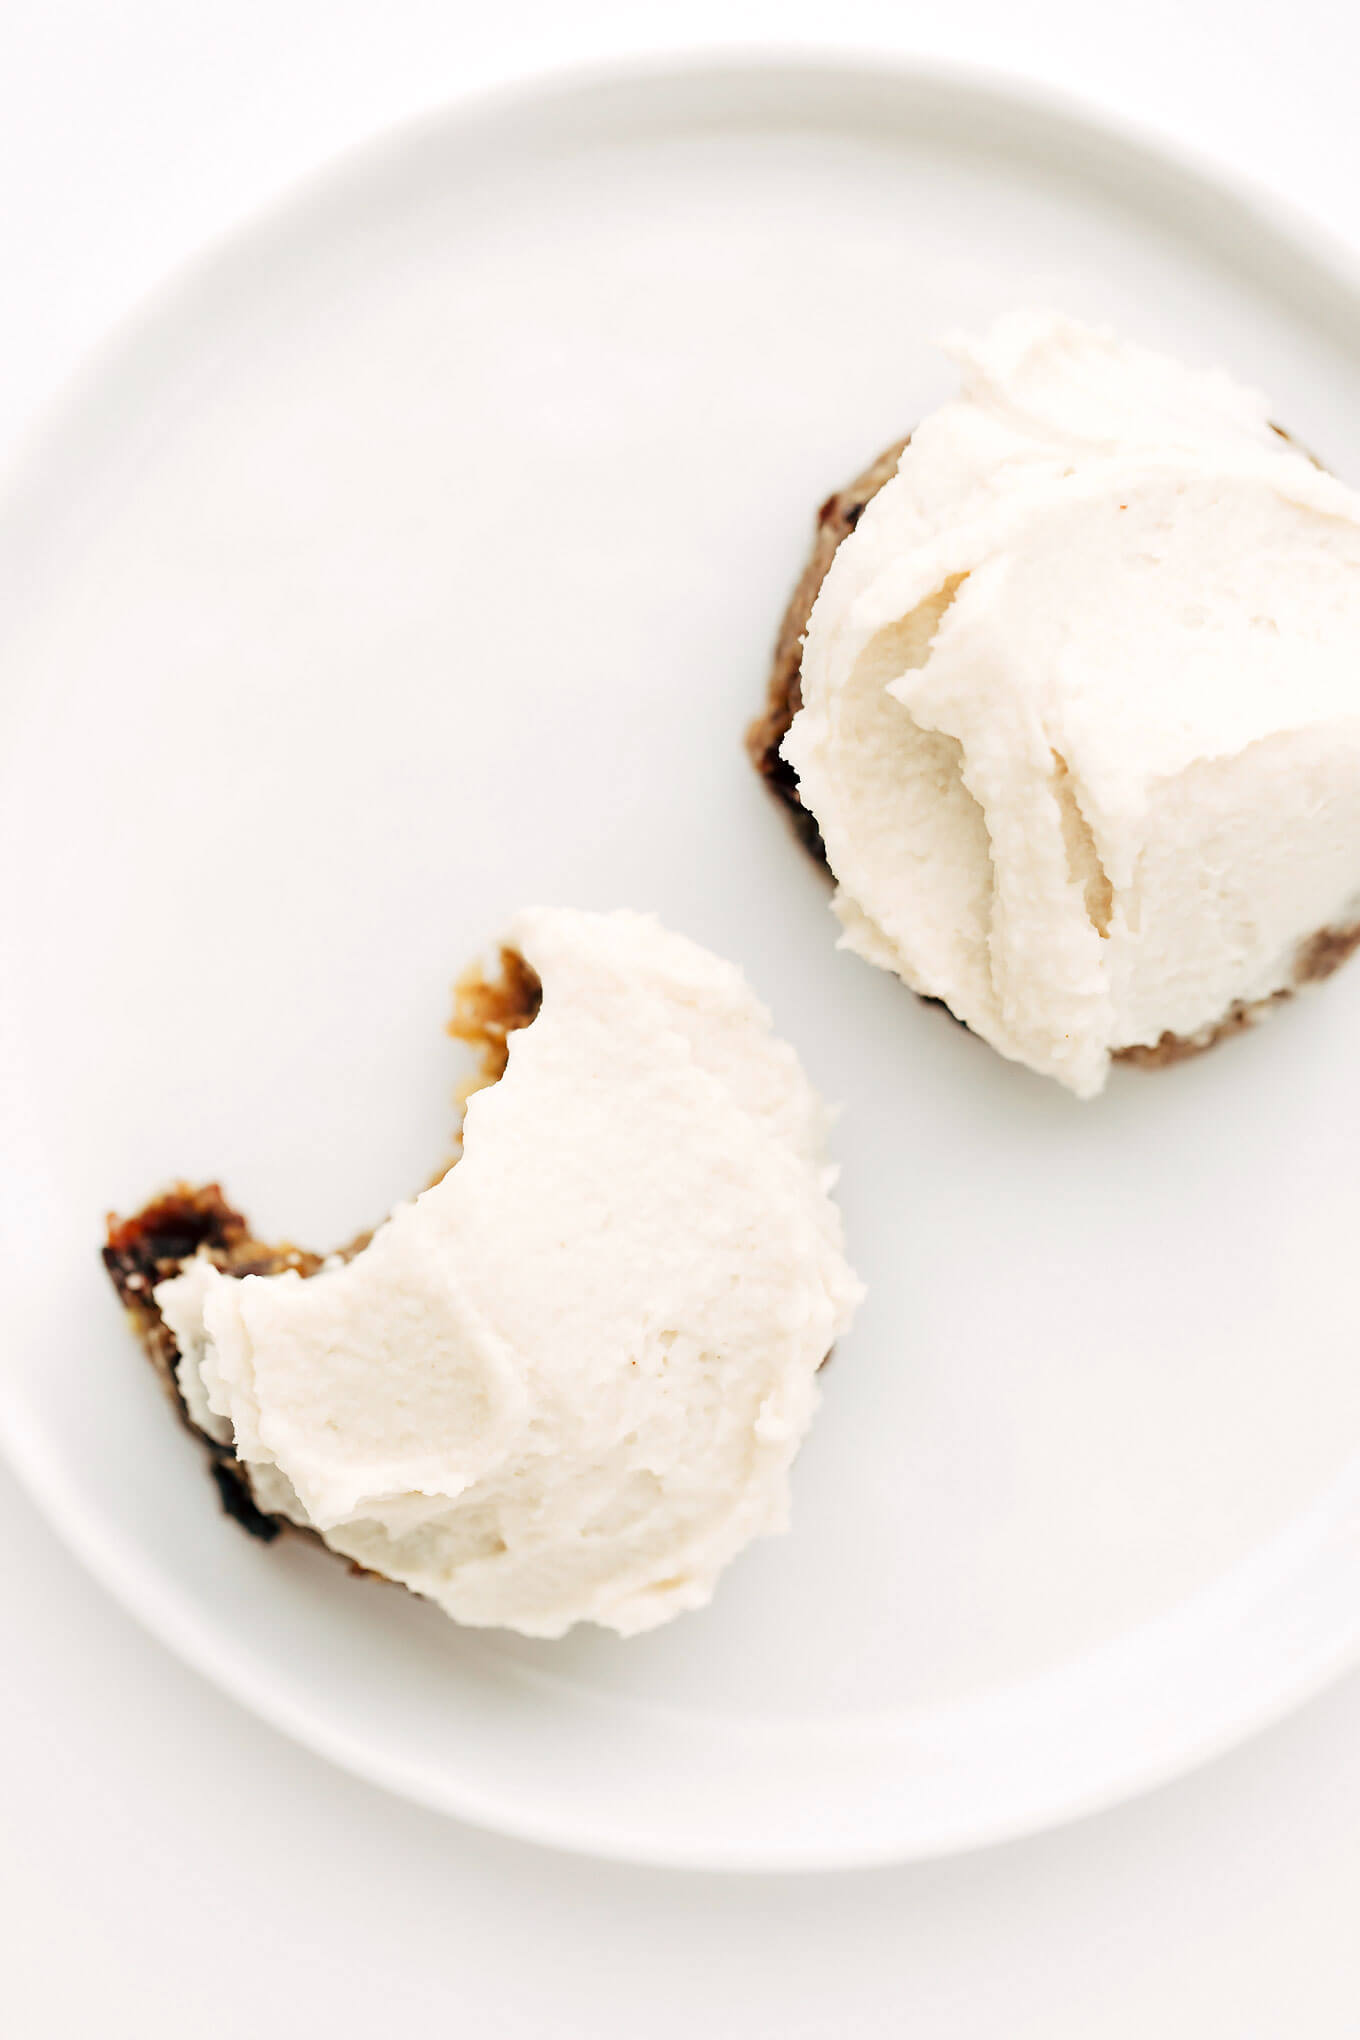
[1081, 702]
[568, 1381]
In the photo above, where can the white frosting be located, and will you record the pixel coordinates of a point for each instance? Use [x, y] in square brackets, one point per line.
[567, 1382]
[1081, 722]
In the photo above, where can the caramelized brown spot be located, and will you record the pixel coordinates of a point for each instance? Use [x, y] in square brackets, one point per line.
[487, 1012]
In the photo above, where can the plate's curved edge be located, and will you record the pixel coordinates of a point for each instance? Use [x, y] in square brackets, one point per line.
[1122, 144]
[162, 1611]
[176, 1623]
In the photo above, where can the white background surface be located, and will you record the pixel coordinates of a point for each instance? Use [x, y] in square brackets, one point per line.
[169, 1865]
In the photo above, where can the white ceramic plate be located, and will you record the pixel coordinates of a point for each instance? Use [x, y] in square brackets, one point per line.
[418, 556]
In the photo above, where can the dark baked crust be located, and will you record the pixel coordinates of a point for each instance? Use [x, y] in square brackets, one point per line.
[150, 1247]
[836, 519]
[1318, 956]
[184, 1221]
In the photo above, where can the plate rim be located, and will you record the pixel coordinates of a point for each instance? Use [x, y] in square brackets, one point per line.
[110, 1558]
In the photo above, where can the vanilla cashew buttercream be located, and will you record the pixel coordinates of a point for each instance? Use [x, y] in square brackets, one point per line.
[567, 1382]
[1081, 703]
